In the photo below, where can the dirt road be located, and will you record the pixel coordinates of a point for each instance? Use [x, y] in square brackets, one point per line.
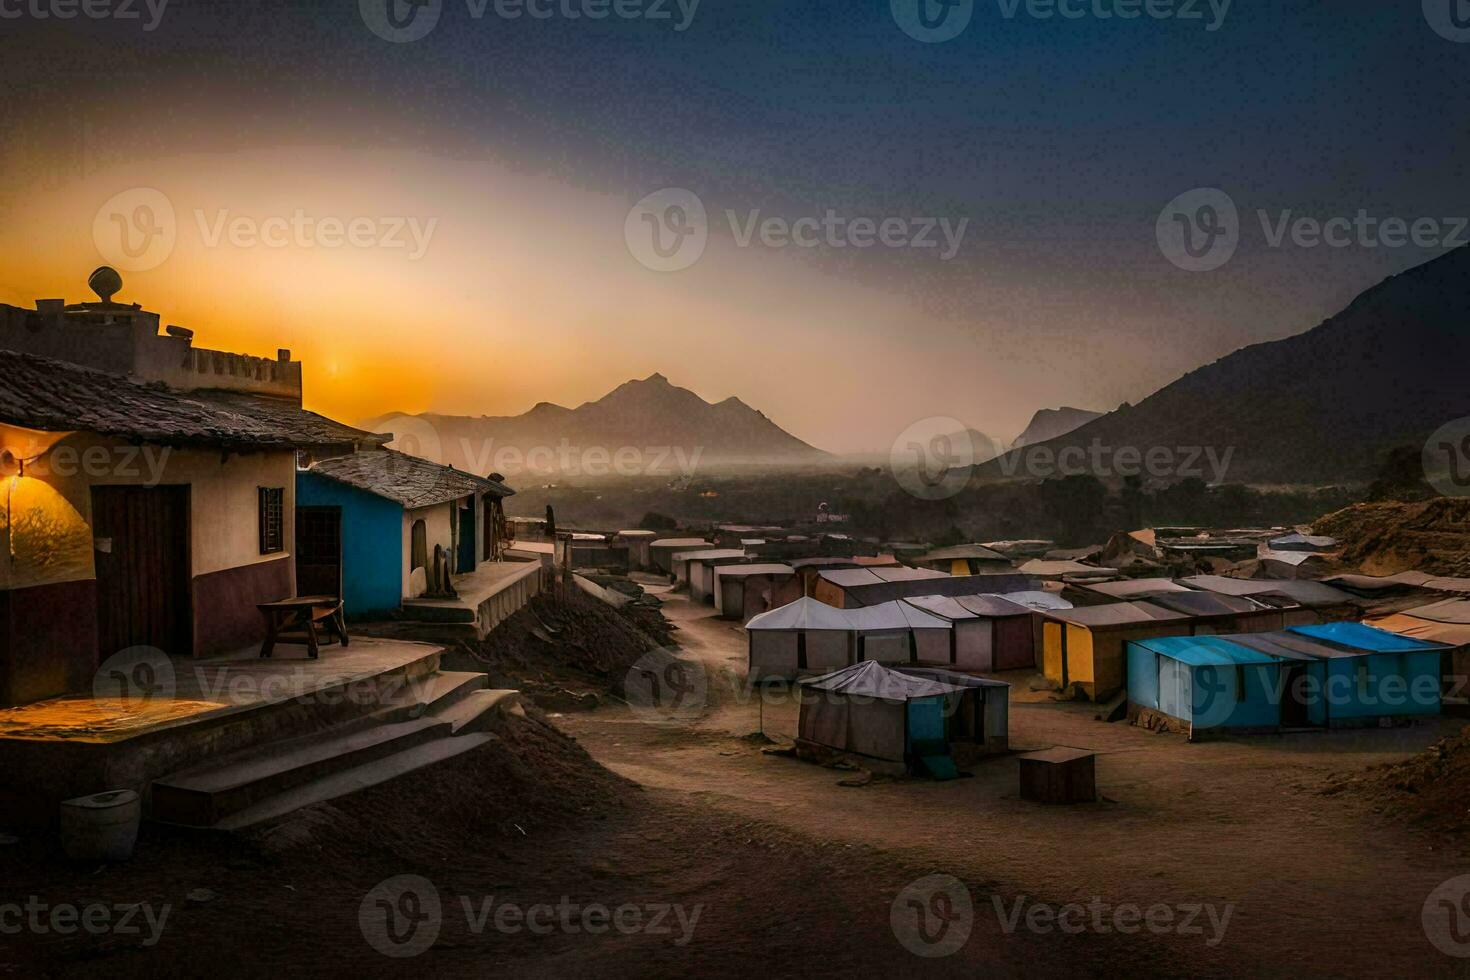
[1313, 884]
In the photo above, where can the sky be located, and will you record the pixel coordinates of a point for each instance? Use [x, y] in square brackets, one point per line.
[502, 178]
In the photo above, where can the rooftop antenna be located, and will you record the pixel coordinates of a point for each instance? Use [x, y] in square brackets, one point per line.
[104, 281]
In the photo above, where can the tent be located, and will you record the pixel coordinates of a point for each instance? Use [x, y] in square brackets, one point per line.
[1084, 646]
[902, 719]
[743, 591]
[898, 633]
[799, 637]
[987, 632]
[701, 572]
[1329, 675]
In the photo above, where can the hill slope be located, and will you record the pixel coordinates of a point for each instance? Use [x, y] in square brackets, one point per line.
[1050, 423]
[658, 427]
[1323, 406]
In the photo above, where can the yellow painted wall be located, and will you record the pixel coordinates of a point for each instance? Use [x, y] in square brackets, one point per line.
[45, 527]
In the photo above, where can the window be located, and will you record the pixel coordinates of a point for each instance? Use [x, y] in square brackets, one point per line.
[272, 520]
[418, 555]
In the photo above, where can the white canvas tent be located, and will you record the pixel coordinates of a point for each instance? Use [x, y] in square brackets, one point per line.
[898, 633]
[681, 562]
[800, 637]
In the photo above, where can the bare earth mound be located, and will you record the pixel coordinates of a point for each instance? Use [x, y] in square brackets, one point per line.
[1431, 789]
[1386, 538]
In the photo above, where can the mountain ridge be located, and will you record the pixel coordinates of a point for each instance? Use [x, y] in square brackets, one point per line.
[1324, 405]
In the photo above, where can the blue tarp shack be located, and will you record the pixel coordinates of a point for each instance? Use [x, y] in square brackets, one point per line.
[1329, 675]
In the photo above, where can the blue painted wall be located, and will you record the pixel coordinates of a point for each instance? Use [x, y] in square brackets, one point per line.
[1143, 676]
[1384, 684]
[372, 544]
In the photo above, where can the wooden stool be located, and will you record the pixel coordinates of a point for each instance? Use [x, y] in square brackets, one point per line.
[303, 612]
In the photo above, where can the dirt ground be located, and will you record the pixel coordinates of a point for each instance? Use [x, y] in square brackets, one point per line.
[1319, 883]
[1386, 538]
[758, 863]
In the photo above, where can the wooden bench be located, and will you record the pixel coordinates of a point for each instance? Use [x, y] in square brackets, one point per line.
[304, 613]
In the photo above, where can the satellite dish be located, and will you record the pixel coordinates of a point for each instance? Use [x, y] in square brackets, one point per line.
[104, 281]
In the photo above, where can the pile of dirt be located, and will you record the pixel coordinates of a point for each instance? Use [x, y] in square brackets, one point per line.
[1385, 538]
[565, 654]
[531, 780]
[1431, 789]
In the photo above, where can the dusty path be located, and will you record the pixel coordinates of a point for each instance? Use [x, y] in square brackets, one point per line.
[1315, 884]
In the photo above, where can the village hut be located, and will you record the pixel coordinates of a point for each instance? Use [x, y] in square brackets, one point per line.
[1314, 602]
[1447, 622]
[1084, 646]
[701, 573]
[680, 561]
[744, 591]
[964, 559]
[661, 551]
[902, 720]
[638, 541]
[1326, 675]
[987, 632]
[369, 523]
[801, 637]
[175, 558]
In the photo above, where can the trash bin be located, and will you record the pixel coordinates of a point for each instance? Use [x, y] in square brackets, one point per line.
[101, 827]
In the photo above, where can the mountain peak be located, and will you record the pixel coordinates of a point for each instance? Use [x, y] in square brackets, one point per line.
[655, 379]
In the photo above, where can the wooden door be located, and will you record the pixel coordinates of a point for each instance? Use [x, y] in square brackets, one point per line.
[144, 585]
[319, 551]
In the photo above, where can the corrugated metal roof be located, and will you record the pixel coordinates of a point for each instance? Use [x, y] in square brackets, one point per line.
[1116, 614]
[1205, 651]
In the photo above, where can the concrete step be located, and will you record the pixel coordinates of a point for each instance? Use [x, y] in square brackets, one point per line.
[439, 611]
[475, 712]
[351, 780]
[205, 795]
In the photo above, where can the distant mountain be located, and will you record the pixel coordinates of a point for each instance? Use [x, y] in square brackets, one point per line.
[1324, 406]
[1049, 423]
[648, 426]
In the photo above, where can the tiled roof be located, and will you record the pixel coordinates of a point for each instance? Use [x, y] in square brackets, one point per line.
[405, 479]
[56, 396]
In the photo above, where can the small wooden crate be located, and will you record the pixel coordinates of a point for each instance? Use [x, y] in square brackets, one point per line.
[1059, 775]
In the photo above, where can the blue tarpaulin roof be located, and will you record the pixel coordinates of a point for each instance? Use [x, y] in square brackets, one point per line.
[1205, 651]
[1365, 638]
